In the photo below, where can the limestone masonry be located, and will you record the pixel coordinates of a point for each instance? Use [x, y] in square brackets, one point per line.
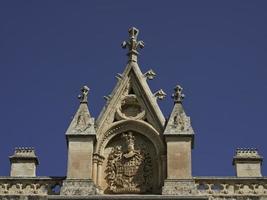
[131, 151]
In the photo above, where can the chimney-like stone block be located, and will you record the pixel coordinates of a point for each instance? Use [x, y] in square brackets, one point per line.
[80, 156]
[23, 162]
[247, 163]
[179, 157]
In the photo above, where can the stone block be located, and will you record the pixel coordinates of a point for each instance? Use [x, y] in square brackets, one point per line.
[78, 188]
[179, 188]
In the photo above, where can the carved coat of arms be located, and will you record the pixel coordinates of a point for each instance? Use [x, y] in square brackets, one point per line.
[129, 171]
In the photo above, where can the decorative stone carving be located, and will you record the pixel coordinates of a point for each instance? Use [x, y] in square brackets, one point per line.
[107, 98]
[238, 198]
[182, 122]
[82, 123]
[130, 170]
[78, 187]
[150, 74]
[179, 123]
[130, 109]
[136, 161]
[160, 94]
[133, 44]
[25, 186]
[179, 187]
[225, 188]
[132, 76]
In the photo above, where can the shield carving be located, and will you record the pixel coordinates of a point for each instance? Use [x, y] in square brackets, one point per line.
[129, 171]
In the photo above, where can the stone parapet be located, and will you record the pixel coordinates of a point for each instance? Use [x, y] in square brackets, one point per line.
[215, 188]
[231, 187]
[129, 197]
[78, 188]
[30, 186]
[179, 187]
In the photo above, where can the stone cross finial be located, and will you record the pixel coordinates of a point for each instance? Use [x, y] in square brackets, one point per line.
[133, 44]
[83, 96]
[178, 96]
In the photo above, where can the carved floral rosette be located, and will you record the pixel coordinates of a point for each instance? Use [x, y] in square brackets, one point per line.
[129, 170]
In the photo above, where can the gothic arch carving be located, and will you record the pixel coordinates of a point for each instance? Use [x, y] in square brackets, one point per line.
[130, 125]
[131, 153]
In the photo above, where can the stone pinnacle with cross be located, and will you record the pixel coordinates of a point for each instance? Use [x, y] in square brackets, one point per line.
[133, 44]
[178, 96]
[83, 96]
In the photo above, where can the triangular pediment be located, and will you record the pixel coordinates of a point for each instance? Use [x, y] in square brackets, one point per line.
[131, 99]
[178, 123]
[82, 122]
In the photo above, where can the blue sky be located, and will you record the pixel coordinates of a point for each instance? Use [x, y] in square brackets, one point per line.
[215, 49]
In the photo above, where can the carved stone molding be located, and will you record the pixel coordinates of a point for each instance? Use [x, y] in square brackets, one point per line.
[229, 187]
[130, 109]
[133, 125]
[98, 159]
[30, 186]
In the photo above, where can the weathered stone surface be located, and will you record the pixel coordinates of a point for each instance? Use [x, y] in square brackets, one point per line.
[80, 156]
[18, 197]
[129, 169]
[179, 188]
[179, 137]
[78, 188]
[39, 186]
[132, 152]
[179, 157]
[130, 197]
[80, 139]
[247, 163]
[82, 122]
[226, 187]
[23, 162]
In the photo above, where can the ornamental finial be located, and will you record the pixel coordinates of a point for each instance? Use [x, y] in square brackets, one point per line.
[133, 44]
[178, 96]
[83, 96]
